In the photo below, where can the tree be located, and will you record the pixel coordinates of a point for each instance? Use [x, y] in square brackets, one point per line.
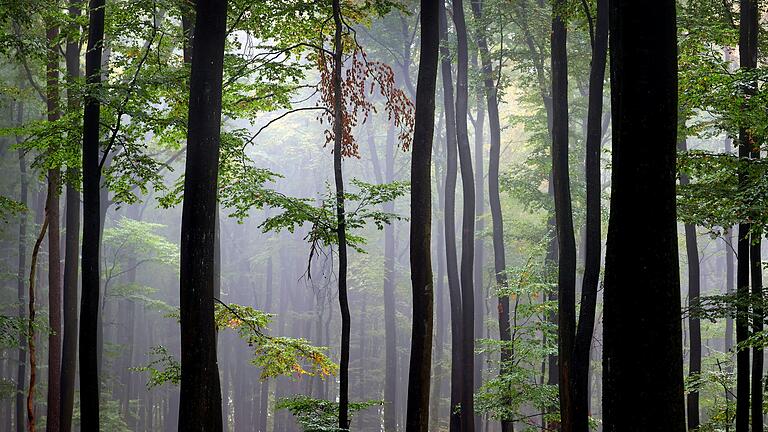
[53, 414]
[454, 285]
[421, 223]
[642, 357]
[21, 372]
[341, 229]
[91, 168]
[748, 28]
[589, 286]
[200, 397]
[72, 240]
[494, 198]
[694, 323]
[561, 187]
[468, 221]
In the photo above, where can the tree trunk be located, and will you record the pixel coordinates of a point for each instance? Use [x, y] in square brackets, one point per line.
[589, 286]
[21, 371]
[54, 245]
[756, 272]
[499, 257]
[747, 60]
[454, 285]
[72, 244]
[479, 263]
[566, 279]
[89, 303]
[421, 223]
[341, 228]
[468, 221]
[694, 324]
[200, 396]
[31, 330]
[643, 367]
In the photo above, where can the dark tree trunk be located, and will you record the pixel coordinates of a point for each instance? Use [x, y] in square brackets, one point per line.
[341, 226]
[21, 371]
[421, 223]
[499, 257]
[643, 364]
[200, 396]
[53, 413]
[589, 286]
[468, 221]
[694, 324]
[72, 246]
[566, 279]
[89, 302]
[747, 60]
[454, 285]
[756, 272]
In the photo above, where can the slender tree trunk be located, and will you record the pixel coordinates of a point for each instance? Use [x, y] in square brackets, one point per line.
[341, 227]
[200, 396]
[421, 223]
[589, 286]
[756, 272]
[499, 257]
[468, 220]
[643, 364]
[89, 303]
[566, 280]
[747, 60]
[454, 285]
[72, 245]
[21, 371]
[694, 324]
[479, 271]
[31, 330]
[53, 414]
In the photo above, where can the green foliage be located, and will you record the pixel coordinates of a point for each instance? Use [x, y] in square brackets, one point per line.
[275, 356]
[319, 415]
[10, 329]
[714, 198]
[163, 368]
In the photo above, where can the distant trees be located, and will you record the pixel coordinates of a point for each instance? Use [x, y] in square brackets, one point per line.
[642, 357]
[421, 223]
[200, 398]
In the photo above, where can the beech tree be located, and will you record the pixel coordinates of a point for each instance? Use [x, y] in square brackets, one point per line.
[421, 223]
[642, 344]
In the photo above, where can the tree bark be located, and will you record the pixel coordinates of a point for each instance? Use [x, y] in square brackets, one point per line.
[468, 220]
[566, 279]
[643, 366]
[420, 370]
[748, 28]
[494, 198]
[589, 286]
[452, 270]
[72, 244]
[756, 273]
[53, 413]
[21, 371]
[200, 395]
[694, 323]
[89, 303]
[341, 227]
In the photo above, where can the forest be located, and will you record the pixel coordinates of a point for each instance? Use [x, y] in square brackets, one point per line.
[383, 215]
